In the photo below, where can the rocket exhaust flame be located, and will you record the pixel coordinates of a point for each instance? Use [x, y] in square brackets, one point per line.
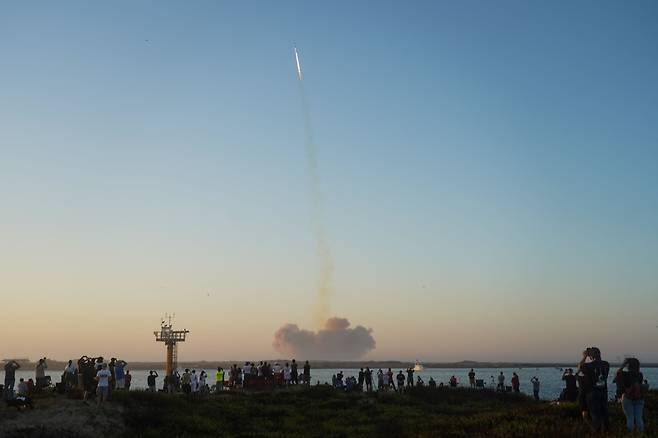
[325, 281]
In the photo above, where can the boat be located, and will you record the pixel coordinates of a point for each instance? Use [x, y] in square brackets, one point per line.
[418, 366]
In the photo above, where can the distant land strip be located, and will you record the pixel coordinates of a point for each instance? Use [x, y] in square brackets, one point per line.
[326, 364]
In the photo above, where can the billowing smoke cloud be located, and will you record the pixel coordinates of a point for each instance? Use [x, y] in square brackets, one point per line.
[336, 341]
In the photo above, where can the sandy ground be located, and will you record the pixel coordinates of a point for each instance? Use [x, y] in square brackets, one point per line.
[61, 417]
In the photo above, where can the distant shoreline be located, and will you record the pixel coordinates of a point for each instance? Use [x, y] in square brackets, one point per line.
[326, 364]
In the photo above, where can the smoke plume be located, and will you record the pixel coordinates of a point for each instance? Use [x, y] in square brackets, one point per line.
[325, 261]
[336, 341]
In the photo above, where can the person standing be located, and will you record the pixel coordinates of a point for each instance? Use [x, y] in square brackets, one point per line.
[219, 380]
[150, 380]
[10, 378]
[368, 376]
[113, 381]
[127, 379]
[571, 390]
[400, 379]
[194, 382]
[516, 385]
[120, 374]
[389, 379]
[380, 380]
[70, 375]
[294, 373]
[535, 387]
[596, 387]
[103, 387]
[287, 375]
[471, 378]
[410, 376]
[307, 373]
[501, 382]
[40, 374]
[632, 399]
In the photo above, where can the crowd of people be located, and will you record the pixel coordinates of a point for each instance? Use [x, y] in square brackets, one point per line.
[95, 377]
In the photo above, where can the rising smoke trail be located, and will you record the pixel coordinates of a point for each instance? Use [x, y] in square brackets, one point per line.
[325, 280]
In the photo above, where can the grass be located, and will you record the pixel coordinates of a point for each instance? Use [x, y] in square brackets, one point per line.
[323, 412]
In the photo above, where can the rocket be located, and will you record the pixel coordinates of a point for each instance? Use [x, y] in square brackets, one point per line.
[299, 67]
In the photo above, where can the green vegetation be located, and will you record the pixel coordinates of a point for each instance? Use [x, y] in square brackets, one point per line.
[322, 412]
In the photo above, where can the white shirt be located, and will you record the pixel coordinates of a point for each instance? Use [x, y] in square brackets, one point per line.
[286, 374]
[70, 369]
[103, 377]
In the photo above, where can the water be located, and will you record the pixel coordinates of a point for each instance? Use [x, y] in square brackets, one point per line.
[550, 378]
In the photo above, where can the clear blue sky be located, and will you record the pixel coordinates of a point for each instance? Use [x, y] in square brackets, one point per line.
[489, 170]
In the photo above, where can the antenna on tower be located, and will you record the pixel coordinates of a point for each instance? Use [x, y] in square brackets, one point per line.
[171, 338]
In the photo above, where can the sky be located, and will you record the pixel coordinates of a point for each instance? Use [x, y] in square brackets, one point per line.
[487, 173]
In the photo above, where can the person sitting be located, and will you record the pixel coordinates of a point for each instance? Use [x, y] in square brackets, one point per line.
[431, 383]
[22, 389]
[419, 381]
[453, 382]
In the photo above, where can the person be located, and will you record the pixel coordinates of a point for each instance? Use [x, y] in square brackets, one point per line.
[307, 373]
[431, 383]
[410, 376]
[619, 385]
[632, 400]
[287, 375]
[595, 372]
[471, 378]
[339, 380]
[501, 382]
[293, 372]
[362, 377]
[368, 377]
[40, 374]
[150, 380]
[400, 379]
[219, 379]
[389, 379]
[202, 380]
[570, 392]
[380, 380]
[110, 367]
[127, 379]
[30, 386]
[22, 389]
[10, 378]
[516, 384]
[246, 374]
[194, 382]
[535, 387]
[120, 374]
[70, 375]
[103, 387]
[453, 381]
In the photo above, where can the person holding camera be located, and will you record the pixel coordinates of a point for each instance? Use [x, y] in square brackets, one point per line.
[595, 387]
[634, 390]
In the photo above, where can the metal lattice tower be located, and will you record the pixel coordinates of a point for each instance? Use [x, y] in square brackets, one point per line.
[171, 338]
